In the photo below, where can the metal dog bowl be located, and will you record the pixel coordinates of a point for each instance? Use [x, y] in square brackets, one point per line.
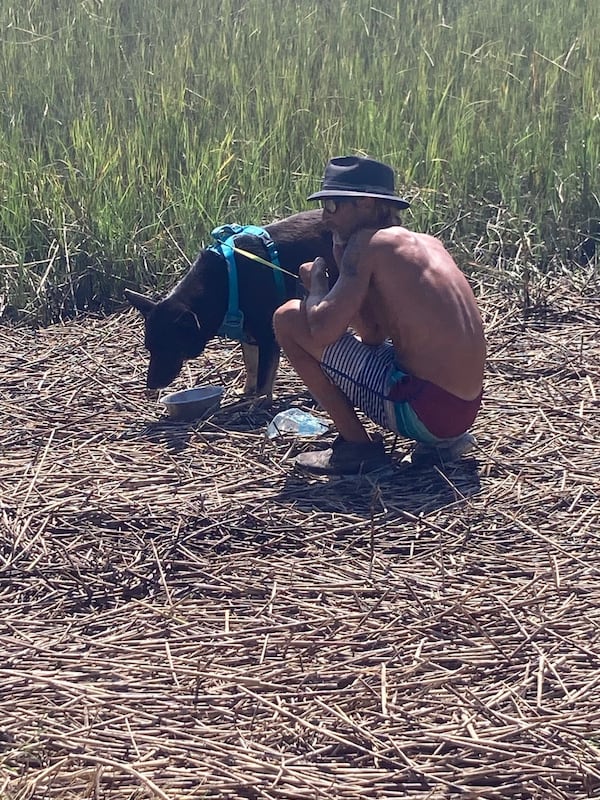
[191, 403]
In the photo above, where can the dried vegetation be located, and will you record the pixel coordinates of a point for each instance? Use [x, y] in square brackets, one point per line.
[184, 616]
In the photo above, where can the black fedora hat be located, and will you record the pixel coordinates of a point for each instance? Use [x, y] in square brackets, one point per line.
[358, 176]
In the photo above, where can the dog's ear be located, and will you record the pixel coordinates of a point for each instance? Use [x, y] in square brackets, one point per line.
[142, 302]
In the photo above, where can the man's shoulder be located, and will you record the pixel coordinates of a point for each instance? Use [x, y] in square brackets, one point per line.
[394, 235]
[395, 242]
[410, 243]
[375, 248]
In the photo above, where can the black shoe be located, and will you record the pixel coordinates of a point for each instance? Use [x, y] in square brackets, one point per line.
[345, 458]
[445, 452]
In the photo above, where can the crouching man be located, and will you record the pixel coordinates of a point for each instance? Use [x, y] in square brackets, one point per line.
[414, 358]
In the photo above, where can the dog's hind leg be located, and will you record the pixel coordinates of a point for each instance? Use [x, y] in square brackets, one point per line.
[251, 354]
[268, 362]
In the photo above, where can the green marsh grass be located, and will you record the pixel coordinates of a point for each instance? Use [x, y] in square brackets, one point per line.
[128, 130]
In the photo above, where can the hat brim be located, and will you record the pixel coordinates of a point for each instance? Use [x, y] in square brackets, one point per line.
[345, 193]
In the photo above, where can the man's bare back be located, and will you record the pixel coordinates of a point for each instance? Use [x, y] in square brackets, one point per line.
[418, 297]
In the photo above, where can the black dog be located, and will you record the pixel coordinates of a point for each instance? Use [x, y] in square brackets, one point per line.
[178, 327]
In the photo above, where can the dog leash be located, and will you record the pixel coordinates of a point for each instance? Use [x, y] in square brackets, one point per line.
[261, 260]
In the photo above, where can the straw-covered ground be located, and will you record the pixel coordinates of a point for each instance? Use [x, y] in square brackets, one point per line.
[182, 615]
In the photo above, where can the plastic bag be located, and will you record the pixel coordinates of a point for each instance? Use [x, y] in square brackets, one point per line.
[296, 421]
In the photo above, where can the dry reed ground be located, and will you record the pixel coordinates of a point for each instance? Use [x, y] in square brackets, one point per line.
[184, 616]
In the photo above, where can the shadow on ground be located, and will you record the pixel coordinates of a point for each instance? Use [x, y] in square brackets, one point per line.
[411, 489]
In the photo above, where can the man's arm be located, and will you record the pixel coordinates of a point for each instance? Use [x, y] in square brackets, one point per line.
[330, 312]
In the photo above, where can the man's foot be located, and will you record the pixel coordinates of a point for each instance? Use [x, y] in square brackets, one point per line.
[443, 453]
[345, 458]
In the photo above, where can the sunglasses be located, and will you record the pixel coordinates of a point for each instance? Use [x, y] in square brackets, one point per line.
[331, 204]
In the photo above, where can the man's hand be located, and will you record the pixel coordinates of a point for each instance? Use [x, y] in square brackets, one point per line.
[314, 277]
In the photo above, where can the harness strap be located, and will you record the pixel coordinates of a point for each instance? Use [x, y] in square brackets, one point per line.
[233, 323]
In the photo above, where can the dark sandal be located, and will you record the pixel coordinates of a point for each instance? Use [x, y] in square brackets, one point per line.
[443, 453]
[345, 458]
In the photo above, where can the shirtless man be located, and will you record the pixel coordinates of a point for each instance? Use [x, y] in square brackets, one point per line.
[415, 359]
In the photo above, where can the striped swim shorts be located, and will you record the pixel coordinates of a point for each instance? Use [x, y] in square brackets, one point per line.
[372, 380]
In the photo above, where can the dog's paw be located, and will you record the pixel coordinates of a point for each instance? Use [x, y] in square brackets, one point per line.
[262, 402]
[249, 390]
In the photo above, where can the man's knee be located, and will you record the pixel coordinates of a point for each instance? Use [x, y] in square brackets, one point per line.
[292, 331]
[285, 319]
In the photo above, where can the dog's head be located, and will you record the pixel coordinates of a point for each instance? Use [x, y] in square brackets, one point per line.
[172, 334]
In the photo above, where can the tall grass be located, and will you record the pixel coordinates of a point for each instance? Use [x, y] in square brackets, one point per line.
[128, 130]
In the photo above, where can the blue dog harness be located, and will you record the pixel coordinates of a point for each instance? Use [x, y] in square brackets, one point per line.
[225, 236]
